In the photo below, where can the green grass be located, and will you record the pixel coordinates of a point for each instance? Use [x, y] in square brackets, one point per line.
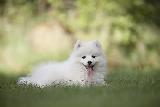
[125, 88]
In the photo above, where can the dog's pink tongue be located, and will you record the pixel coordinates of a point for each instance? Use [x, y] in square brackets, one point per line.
[90, 72]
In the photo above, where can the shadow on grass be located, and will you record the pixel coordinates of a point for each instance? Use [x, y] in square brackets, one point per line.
[125, 88]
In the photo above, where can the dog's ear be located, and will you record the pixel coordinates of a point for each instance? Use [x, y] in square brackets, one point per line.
[78, 44]
[97, 43]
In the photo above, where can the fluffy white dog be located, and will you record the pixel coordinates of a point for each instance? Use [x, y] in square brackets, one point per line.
[85, 66]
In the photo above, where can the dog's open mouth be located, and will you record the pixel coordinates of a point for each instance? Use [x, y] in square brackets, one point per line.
[90, 71]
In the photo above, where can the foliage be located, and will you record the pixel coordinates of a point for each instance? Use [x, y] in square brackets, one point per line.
[128, 30]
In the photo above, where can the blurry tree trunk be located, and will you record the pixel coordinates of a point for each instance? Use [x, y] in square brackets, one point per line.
[69, 4]
[42, 6]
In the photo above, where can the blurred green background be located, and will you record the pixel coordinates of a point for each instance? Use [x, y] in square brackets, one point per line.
[33, 31]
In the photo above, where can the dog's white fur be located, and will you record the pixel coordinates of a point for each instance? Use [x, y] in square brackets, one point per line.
[73, 70]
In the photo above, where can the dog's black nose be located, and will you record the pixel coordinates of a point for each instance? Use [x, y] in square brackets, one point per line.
[89, 62]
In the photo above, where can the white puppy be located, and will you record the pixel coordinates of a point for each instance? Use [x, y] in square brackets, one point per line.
[85, 66]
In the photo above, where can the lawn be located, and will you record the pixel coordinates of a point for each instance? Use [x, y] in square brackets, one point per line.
[125, 88]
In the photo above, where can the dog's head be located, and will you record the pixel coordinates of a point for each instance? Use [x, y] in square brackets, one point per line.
[89, 54]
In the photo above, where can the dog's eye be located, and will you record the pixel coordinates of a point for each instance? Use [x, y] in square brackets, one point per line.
[83, 57]
[93, 56]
